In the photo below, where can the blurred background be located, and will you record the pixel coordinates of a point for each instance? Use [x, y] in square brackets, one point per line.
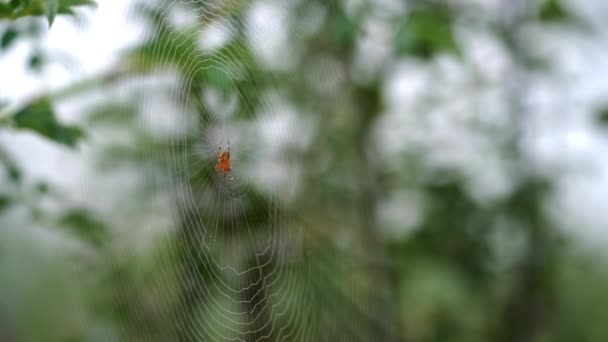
[401, 170]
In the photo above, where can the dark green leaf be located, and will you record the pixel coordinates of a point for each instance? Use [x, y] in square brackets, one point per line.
[12, 171]
[552, 10]
[47, 8]
[84, 225]
[5, 202]
[343, 30]
[51, 10]
[42, 187]
[8, 38]
[36, 61]
[425, 33]
[14, 174]
[40, 117]
[602, 117]
[5, 10]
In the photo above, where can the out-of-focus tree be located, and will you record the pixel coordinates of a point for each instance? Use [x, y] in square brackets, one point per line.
[361, 234]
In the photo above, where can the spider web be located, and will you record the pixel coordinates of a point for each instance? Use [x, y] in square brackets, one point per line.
[243, 268]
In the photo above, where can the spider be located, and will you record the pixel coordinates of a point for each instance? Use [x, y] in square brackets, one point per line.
[223, 161]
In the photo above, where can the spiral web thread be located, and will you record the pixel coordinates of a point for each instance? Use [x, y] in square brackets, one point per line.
[244, 271]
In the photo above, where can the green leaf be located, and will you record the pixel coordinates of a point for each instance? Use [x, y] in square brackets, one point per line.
[12, 170]
[343, 31]
[84, 225]
[602, 117]
[42, 187]
[5, 202]
[425, 33]
[51, 10]
[8, 38]
[48, 8]
[552, 10]
[5, 10]
[36, 61]
[14, 174]
[40, 117]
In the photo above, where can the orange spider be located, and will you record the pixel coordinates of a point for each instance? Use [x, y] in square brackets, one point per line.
[223, 161]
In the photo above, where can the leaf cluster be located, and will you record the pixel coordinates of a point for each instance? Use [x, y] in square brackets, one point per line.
[16, 9]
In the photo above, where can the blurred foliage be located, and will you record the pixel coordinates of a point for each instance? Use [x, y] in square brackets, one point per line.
[602, 117]
[427, 31]
[83, 224]
[314, 266]
[4, 202]
[8, 37]
[40, 117]
[15, 9]
[552, 10]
